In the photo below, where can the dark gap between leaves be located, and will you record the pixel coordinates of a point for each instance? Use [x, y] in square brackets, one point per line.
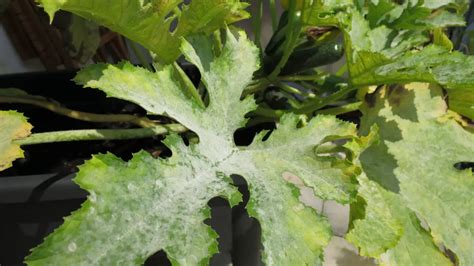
[246, 231]
[159, 258]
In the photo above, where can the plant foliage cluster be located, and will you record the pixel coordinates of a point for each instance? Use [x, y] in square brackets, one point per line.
[411, 203]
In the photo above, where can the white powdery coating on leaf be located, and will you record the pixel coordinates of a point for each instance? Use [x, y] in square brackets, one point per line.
[147, 204]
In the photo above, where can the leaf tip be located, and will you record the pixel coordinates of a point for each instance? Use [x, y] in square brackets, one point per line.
[51, 7]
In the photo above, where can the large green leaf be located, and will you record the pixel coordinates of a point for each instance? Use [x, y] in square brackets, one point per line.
[415, 160]
[432, 64]
[13, 126]
[149, 22]
[386, 43]
[383, 38]
[393, 15]
[138, 207]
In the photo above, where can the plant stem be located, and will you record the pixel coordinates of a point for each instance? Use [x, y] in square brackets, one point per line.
[266, 112]
[257, 24]
[302, 77]
[260, 84]
[99, 134]
[294, 29]
[341, 70]
[319, 103]
[341, 109]
[140, 55]
[188, 85]
[84, 116]
[289, 88]
[273, 14]
[217, 41]
[310, 87]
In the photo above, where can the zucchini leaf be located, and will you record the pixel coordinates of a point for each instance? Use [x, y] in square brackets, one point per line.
[462, 101]
[149, 22]
[138, 207]
[380, 37]
[13, 126]
[434, 64]
[384, 40]
[83, 39]
[413, 178]
[390, 232]
[399, 15]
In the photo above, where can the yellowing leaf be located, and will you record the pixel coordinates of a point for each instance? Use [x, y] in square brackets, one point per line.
[13, 126]
[416, 157]
[138, 207]
[390, 232]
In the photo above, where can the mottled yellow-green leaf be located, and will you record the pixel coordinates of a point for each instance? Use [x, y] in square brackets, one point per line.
[415, 158]
[330, 184]
[390, 232]
[13, 126]
[138, 207]
[435, 64]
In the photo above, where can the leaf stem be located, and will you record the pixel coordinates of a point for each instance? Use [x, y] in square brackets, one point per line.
[342, 70]
[260, 84]
[267, 112]
[289, 88]
[84, 116]
[302, 77]
[273, 14]
[257, 24]
[99, 134]
[189, 87]
[319, 103]
[341, 109]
